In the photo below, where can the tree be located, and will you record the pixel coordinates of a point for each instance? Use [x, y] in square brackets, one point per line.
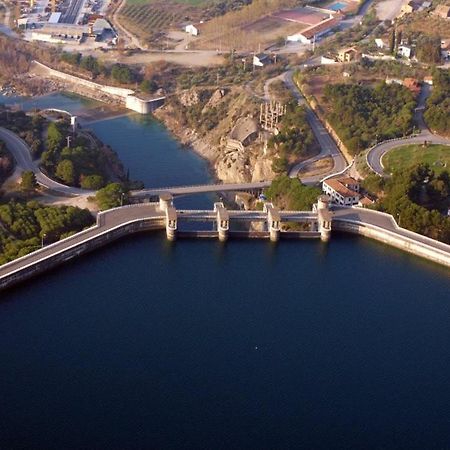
[149, 86]
[110, 196]
[66, 172]
[94, 182]
[54, 137]
[28, 182]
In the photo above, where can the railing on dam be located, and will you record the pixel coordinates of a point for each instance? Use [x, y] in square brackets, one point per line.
[122, 221]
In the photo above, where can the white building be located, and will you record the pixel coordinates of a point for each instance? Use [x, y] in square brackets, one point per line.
[260, 59]
[313, 32]
[381, 43]
[343, 191]
[191, 29]
[404, 50]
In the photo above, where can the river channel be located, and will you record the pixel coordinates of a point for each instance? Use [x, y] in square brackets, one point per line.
[146, 344]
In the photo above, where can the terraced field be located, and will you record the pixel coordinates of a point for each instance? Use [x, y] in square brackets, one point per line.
[147, 19]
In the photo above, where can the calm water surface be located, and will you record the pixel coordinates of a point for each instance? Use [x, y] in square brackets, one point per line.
[146, 344]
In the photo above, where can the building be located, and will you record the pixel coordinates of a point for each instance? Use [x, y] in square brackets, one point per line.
[405, 51]
[412, 84]
[54, 17]
[442, 11]
[445, 49]
[381, 43]
[308, 35]
[192, 30]
[343, 191]
[328, 59]
[428, 80]
[347, 54]
[261, 59]
[59, 34]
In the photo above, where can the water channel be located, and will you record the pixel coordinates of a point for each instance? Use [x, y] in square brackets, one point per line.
[146, 344]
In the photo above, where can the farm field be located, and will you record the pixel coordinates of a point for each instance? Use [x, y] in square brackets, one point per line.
[149, 18]
[437, 156]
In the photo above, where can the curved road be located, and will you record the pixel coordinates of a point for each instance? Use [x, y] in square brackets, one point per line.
[327, 145]
[375, 155]
[21, 153]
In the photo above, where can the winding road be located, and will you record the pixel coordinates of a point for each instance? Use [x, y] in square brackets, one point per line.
[21, 153]
[375, 155]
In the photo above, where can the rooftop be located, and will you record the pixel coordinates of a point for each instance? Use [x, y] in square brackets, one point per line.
[338, 185]
[322, 26]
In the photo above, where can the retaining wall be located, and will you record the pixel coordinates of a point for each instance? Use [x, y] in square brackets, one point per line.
[395, 240]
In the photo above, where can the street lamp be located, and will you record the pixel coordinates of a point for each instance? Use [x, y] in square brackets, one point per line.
[42, 239]
[121, 198]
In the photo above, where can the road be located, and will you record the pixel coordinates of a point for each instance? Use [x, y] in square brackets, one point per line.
[118, 218]
[375, 155]
[21, 153]
[327, 145]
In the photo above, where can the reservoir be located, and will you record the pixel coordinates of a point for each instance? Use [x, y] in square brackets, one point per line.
[147, 344]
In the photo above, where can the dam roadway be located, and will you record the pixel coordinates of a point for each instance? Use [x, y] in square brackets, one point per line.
[123, 221]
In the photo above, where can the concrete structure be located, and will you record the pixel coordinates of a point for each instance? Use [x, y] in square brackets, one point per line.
[54, 17]
[59, 34]
[192, 30]
[381, 43]
[273, 221]
[119, 222]
[328, 59]
[343, 191]
[223, 221]
[445, 49]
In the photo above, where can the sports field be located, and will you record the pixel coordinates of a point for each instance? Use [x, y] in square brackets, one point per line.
[436, 156]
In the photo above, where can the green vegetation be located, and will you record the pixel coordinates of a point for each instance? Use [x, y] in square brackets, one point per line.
[418, 199]
[428, 49]
[295, 139]
[25, 226]
[72, 165]
[28, 182]
[6, 163]
[110, 196]
[436, 156]
[29, 128]
[362, 115]
[437, 114]
[289, 193]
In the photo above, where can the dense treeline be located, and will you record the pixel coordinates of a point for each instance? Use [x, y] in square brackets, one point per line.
[295, 139]
[29, 128]
[81, 164]
[289, 193]
[418, 200]
[6, 162]
[25, 226]
[437, 114]
[361, 115]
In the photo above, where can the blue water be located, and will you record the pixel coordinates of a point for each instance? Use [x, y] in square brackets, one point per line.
[337, 6]
[198, 345]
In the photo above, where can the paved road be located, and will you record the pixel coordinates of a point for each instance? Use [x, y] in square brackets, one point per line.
[120, 216]
[375, 154]
[200, 189]
[21, 153]
[327, 145]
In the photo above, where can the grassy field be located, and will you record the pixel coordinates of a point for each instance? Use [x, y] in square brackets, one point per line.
[437, 156]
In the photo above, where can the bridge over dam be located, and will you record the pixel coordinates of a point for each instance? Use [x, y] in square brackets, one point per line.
[316, 224]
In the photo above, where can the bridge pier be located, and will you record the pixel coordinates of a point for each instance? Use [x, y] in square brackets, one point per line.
[166, 205]
[273, 221]
[324, 217]
[223, 221]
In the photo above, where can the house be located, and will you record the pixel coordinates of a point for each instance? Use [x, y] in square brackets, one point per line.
[192, 30]
[60, 34]
[442, 11]
[381, 43]
[445, 49]
[343, 191]
[260, 59]
[347, 54]
[412, 84]
[310, 34]
[428, 80]
[365, 202]
[405, 51]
